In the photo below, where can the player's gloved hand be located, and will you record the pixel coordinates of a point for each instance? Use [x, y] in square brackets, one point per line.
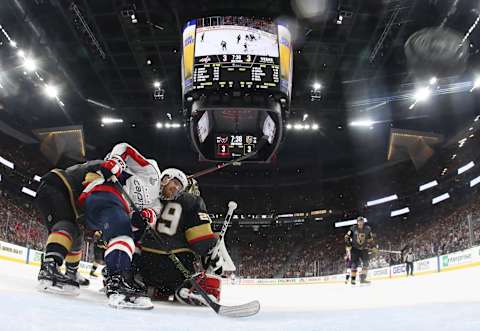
[212, 264]
[112, 167]
[149, 215]
[144, 217]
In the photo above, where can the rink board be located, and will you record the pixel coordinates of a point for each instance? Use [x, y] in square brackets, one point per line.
[453, 261]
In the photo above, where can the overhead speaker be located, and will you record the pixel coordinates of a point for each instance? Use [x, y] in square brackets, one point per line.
[437, 51]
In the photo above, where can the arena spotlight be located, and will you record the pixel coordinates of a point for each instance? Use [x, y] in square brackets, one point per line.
[314, 126]
[382, 200]
[7, 163]
[156, 84]
[433, 81]
[51, 91]
[29, 192]
[13, 43]
[316, 92]
[289, 126]
[29, 64]
[399, 212]
[466, 167]
[111, 120]
[440, 198]
[159, 125]
[21, 53]
[422, 94]
[305, 116]
[475, 181]
[428, 185]
[348, 223]
[362, 123]
[476, 83]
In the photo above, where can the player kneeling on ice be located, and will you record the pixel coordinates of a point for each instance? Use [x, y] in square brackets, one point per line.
[183, 227]
[57, 200]
[107, 210]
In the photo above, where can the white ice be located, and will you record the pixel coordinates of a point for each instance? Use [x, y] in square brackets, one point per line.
[444, 301]
[265, 44]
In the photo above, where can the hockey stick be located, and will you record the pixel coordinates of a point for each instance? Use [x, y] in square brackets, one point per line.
[232, 205]
[260, 145]
[384, 251]
[245, 310]
[387, 251]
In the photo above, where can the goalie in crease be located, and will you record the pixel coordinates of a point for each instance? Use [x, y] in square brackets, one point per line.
[183, 226]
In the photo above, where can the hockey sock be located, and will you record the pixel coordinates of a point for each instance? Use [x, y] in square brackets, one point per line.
[347, 277]
[59, 244]
[118, 256]
[72, 261]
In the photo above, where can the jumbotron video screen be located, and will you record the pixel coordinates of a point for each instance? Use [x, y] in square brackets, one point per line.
[236, 53]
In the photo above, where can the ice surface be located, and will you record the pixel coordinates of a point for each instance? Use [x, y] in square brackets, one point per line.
[444, 301]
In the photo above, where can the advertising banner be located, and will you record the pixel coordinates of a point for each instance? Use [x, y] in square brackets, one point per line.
[11, 251]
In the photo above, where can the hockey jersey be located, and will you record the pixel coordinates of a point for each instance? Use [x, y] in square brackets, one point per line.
[361, 238]
[141, 179]
[74, 179]
[183, 225]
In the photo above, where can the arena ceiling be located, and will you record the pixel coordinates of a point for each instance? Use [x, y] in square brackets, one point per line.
[360, 63]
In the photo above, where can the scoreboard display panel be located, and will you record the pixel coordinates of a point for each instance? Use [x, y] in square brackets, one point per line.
[229, 146]
[236, 71]
[236, 53]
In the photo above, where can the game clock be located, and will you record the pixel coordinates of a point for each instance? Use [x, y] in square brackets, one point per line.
[232, 146]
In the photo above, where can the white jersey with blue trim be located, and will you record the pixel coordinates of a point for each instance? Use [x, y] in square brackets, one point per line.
[142, 180]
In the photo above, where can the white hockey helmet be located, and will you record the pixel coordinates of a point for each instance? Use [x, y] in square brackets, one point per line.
[169, 174]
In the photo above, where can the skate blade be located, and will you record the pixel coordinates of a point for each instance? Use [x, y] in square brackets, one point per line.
[118, 301]
[48, 287]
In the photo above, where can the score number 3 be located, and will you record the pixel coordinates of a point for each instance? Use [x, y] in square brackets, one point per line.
[169, 218]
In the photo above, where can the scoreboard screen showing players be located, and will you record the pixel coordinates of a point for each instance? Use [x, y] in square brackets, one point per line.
[232, 146]
[236, 53]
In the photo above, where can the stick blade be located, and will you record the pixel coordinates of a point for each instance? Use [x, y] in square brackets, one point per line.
[245, 310]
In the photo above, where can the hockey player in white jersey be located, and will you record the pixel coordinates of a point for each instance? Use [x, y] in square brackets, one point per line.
[107, 210]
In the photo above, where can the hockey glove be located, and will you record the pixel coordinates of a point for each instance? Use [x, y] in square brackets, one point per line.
[212, 265]
[112, 167]
[146, 216]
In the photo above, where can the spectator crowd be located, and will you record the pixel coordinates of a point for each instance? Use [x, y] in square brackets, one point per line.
[277, 250]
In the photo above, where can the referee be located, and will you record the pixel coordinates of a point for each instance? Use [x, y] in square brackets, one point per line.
[409, 258]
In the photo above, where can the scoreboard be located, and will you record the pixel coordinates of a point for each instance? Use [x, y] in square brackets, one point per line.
[236, 71]
[232, 146]
[236, 85]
